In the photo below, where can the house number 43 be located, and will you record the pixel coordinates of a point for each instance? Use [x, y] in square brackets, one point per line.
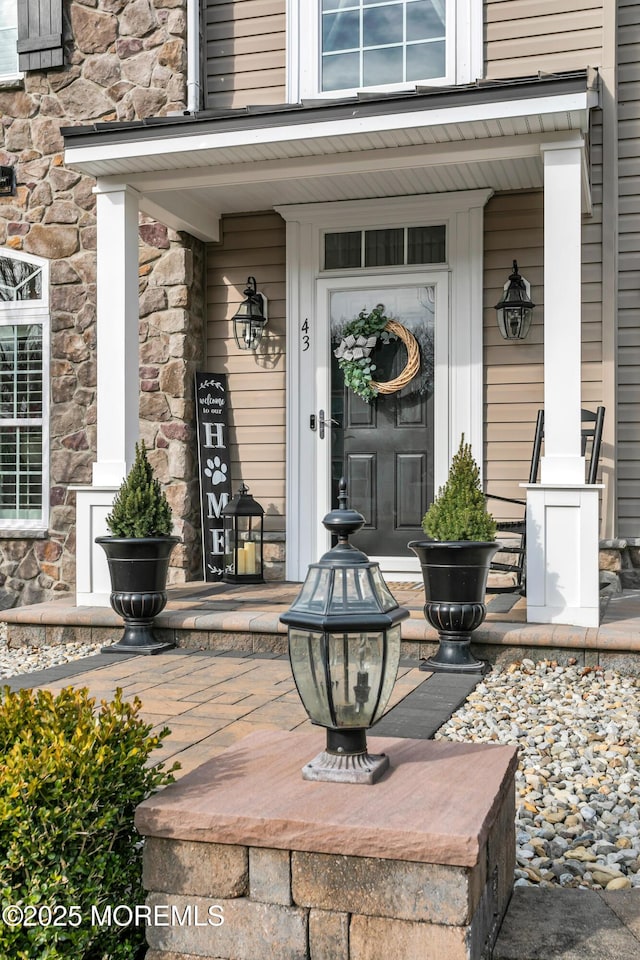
[305, 336]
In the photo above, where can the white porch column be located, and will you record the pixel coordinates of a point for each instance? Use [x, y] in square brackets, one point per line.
[562, 462]
[117, 381]
[117, 327]
[562, 511]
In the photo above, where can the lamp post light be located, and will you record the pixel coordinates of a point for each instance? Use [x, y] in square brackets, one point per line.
[243, 523]
[515, 309]
[251, 317]
[344, 648]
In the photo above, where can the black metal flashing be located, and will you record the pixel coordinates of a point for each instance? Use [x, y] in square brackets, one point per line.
[364, 105]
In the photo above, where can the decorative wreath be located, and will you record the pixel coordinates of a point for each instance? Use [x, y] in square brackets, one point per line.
[359, 337]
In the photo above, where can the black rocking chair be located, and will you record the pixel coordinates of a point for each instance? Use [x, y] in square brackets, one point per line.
[511, 557]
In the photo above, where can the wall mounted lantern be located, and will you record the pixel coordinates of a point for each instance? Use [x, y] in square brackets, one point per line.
[515, 309]
[344, 648]
[251, 318]
[243, 521]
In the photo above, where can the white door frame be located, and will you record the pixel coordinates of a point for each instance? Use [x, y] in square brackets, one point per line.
[463, 215]
[320, 450]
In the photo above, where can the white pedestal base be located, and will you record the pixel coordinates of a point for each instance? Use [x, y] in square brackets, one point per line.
[562, 554]
[93, 584]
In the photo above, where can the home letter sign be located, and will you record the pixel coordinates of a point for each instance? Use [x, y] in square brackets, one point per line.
[215, 467]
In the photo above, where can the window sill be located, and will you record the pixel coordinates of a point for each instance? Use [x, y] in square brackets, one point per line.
[11, 83]
[23, 534]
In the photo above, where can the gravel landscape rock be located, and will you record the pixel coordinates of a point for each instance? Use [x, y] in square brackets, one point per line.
[27, 659]
[578, 779]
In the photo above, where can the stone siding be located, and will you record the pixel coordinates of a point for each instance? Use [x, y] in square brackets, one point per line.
[124, 60]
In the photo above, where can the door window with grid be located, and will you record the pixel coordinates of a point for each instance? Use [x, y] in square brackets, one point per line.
[23, 393]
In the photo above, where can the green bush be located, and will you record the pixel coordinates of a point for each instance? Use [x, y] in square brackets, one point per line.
[459, 512]
[140, 508]
[71, 777]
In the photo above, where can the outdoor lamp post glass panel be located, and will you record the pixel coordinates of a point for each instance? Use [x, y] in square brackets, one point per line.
[344, 648]
[515, 309]
[251, 318]
[243, 530]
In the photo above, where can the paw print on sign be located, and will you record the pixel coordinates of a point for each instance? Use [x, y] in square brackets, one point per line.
[216, 470]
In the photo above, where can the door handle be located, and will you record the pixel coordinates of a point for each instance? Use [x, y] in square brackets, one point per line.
[322, 423]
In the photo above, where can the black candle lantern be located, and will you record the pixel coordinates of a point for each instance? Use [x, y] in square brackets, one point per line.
[515, 309]
[243, 521]
[344, 647]
[251, 317]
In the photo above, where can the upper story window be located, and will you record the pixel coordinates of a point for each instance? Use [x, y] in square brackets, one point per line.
[368, 43]
[24, 339]
[8, 39]
[341, 47]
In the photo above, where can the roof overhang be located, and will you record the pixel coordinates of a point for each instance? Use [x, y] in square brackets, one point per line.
[189, 170]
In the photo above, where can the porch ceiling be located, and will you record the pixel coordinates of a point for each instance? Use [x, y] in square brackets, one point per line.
[191, 170]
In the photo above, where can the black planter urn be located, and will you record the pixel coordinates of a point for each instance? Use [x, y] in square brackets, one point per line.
[455, 581]
[138, 568]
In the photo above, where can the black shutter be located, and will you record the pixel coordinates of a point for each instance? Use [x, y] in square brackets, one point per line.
[39, 34]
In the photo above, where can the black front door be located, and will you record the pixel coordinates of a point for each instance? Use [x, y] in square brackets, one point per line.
[384, 448]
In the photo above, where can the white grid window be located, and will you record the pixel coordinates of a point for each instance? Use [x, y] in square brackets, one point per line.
[24, 334]
[366, 43]
[339, 48]
[8, 38]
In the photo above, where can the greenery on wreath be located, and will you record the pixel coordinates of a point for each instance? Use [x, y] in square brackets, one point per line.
[140, 508]
[72, 773]
[358, 371]
[459, 512]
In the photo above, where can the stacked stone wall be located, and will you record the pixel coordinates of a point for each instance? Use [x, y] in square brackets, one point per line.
[172, 344]
[124, 60]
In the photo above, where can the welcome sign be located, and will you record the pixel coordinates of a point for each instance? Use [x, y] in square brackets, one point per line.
[215, 467]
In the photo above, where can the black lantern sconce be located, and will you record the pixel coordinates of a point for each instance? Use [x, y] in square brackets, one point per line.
[515, 309]
[344, 648]
[243, 522]
[7, 181]
[251, 319]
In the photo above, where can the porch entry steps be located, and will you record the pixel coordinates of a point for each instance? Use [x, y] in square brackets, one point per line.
[245, 619]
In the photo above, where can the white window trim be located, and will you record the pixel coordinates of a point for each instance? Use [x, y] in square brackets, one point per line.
[464, 55]
[463, 215]
[15, 312]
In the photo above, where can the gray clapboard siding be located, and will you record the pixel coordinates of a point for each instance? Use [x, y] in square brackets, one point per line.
[525, 37]
[252, 245]
[245, 44]
[244, 53]
[513, 379]
[629, 269]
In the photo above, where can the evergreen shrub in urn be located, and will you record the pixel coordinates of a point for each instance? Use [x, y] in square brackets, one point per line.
[459, 512]
[138, 554]
[455, 563]
[140, 508]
